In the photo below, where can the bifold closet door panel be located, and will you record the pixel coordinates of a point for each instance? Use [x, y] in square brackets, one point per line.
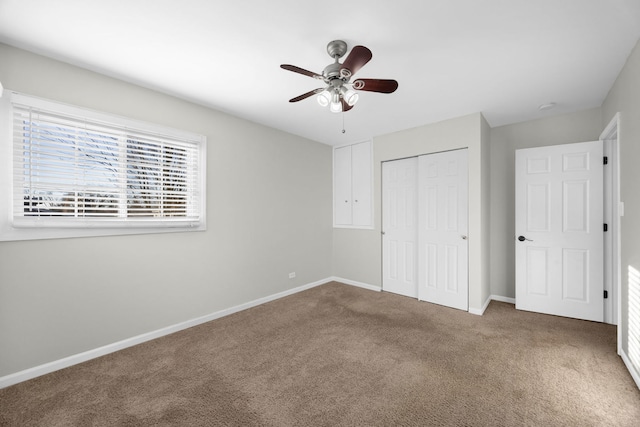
[443, 229]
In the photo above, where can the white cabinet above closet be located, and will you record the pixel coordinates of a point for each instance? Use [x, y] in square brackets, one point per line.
[352, 186]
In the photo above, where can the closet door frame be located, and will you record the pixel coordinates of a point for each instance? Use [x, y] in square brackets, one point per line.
[421, 265]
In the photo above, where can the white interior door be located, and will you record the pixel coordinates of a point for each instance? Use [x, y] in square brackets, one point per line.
[443, 225]
[559, 229]
[400, 233]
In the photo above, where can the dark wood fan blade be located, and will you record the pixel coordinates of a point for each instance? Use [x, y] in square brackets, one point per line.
[376, 85]
[306, 95]
[300, 71]
[345, 106]
[357, 58]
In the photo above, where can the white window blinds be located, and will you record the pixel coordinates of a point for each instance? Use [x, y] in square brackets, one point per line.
[88, 170]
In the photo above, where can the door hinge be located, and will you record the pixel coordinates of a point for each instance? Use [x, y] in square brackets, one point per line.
[606, 294]
[606, 160]
[606, 227]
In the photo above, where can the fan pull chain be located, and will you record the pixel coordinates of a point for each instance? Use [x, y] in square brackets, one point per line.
[343, 131]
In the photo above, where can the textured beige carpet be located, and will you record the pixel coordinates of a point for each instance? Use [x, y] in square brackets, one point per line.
[337, 355]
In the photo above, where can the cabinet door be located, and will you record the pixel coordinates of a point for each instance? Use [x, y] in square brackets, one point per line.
[361, 184]
[342, 186]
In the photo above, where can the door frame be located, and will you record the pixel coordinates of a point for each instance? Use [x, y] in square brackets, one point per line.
[613, 211]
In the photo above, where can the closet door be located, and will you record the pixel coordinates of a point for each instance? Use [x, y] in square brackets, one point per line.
[442, 229]
[424, 227]
[399, 225]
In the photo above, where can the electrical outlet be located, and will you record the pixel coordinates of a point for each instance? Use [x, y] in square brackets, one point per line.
[292, 275]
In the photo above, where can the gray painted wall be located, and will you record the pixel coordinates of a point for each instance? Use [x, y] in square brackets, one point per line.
[624, 97]
[269, 213]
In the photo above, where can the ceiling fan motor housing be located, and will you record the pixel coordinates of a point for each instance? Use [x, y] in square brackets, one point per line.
[331, 71]
[336, 48]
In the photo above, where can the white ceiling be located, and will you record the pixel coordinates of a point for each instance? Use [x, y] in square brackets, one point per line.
[451, 57]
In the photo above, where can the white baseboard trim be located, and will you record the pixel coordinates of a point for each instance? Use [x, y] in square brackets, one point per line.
[480, 311]
[358, 284]
[75, 359]
[632, 370]
[503, 299]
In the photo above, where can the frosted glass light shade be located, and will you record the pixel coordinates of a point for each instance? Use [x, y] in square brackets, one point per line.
[350, 96]
[324, 98]
[336, 105]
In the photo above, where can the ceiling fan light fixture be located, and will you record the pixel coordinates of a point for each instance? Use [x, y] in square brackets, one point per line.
[350, 96]
[340, 94]
[324, 98]
[336, 105]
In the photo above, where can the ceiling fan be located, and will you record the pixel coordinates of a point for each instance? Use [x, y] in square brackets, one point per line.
[340, 93]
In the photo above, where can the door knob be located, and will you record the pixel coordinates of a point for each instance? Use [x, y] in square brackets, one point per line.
[463, 237]
[522, 239]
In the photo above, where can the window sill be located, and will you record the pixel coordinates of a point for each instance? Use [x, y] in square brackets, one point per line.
[10, 233]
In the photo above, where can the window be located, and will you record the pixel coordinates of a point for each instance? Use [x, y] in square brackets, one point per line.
[75, 169]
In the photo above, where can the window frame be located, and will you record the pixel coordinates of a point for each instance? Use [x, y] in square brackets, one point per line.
[30, 228]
